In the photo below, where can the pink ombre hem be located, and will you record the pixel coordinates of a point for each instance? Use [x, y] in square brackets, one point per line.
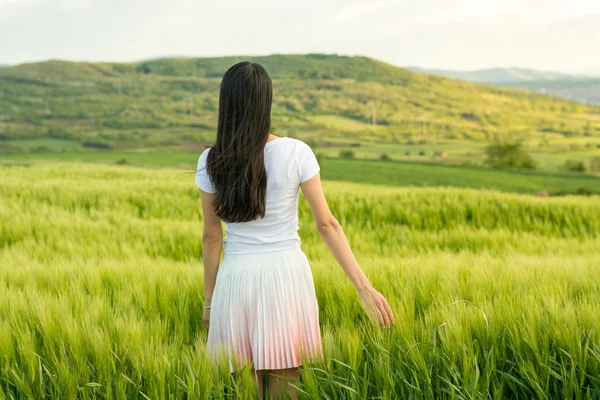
[264, 311]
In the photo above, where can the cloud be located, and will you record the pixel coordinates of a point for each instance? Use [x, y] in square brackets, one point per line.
[75, 4]
[358, 9]
[5, 4]
[462, 34]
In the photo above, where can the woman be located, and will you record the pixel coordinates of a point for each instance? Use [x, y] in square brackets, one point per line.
[262, 295]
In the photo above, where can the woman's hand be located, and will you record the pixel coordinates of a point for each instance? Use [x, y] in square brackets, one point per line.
[206, 315]
[332, 233]
[377, 306]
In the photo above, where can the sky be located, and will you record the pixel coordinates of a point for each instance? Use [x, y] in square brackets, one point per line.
[554, 35]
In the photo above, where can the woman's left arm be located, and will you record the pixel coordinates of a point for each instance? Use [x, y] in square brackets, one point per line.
[212, 241]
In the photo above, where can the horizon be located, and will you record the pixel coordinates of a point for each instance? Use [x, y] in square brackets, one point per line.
[425, 68]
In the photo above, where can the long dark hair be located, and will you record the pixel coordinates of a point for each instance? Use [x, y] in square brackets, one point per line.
[235, 163]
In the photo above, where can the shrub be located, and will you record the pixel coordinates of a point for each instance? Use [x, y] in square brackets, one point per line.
[407, 153]
[384, 157]
[421, 153]
[582, 191]
[40, 149]
[347, 154]
[508, 155]
[121, 161]
[144, 68]
[574, 165]
[96, 144]
[354, 144]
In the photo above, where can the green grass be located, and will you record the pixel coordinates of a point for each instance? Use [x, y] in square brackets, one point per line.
[141, 158]
[45, 144]
[398, 173]
[391, 173]
[344, 124]
[550, 157]
[494, 294]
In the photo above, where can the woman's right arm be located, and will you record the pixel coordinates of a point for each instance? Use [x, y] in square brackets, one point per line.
[333, 235]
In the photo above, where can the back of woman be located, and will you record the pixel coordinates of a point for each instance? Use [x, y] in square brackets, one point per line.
[288, 163]
[260, 304]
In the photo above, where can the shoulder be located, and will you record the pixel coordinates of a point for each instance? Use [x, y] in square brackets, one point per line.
[304, 157]
[203, 156]
[297, 145]
[298, 151]
[203, 180]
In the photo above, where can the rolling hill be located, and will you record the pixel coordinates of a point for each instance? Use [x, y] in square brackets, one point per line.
[172, 103]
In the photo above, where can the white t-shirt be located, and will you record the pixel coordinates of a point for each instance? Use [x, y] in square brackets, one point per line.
[288, 162]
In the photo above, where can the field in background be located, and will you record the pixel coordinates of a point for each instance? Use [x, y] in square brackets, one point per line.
[495, 295]
[373, 171]
[550, 156]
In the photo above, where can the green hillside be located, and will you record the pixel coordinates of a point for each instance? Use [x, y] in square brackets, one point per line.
[172, 103]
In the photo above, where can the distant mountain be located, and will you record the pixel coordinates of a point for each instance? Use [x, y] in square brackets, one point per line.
[585, 89]
[502, 75]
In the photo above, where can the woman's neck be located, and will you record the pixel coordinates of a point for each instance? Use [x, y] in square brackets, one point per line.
[271, 137]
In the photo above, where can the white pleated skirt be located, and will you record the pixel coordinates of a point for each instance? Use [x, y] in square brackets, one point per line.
[264, 311]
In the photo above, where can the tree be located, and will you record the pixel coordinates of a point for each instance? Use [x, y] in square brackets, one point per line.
[346, 154]
[507, 154]
[574, 166]
[587, 130]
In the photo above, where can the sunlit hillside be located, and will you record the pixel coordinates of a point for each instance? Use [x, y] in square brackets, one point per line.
[172, 103]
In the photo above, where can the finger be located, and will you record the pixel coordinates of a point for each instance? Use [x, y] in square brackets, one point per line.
[371, 309]
[388, 309]
[384, 314]
[379, 317]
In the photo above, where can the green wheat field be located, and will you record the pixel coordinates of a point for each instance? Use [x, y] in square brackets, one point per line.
[495, 295]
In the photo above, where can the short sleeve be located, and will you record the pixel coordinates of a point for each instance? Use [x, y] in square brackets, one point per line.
[309, 166]
[202, 179]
